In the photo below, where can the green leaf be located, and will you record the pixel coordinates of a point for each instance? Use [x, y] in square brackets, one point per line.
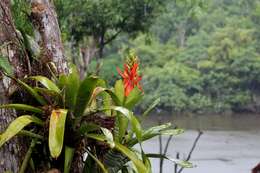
[109, 136]
[47, 92]
[130, 154]
[115, 160]
[84, 94]
[114, 97]
[133, 98]
[56, 131]
[133, 157]
[69, 153]
[119, 92]
[155, 131]
[87, 127]
[147, 162]
[23, 107]
[30, 90]
[17, 125]
[46, 83]
[151, 107]
[182, 163]
[133, 120]
[5, 65]
[106, 97]
[30, 134]
[89, 165]
[100, 164]
[27, 157]
[172, 132]
[70, 85]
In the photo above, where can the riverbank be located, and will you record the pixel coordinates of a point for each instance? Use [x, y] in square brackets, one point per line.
[233, 122]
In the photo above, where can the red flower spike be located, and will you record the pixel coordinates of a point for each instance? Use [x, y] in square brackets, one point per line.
[130, 78]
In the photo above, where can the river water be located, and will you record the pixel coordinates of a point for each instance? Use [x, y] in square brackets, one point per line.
[229, 144]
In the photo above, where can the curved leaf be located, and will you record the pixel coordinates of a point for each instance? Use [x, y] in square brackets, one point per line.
[109, 137]
[151, 107]
[182, 163]
[106, 97]
[46, 83]
[70, 85]
[112, 94]
[48, 92]
[130, 154]
[100, 164]
[133, 98]
[157, 130]
[30, 90]
[23, 107]
[84, 94]
[119, 92]
[17, 125]
[133, 120]
[115, 160]
[56, 131]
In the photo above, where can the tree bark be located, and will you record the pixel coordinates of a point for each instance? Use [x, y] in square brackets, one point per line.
[48, 36]
[11, 153]
[46, 25]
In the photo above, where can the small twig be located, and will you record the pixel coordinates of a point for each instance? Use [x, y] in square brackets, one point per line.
[176, 166]
[192, 148]
[165, 151]
[161, 148]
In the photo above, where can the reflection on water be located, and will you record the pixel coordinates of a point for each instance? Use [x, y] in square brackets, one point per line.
[209, 122]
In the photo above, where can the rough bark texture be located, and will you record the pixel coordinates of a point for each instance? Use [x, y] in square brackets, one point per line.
[46, 24]
[11, 153]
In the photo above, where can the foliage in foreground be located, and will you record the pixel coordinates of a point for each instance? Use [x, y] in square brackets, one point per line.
[70, 117]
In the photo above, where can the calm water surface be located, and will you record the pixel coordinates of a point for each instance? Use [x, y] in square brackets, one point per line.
[230, 143]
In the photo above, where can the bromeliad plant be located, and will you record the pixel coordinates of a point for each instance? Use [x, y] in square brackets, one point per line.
[74, 116]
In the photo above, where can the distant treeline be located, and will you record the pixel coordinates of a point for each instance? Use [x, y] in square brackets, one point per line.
[198, 60]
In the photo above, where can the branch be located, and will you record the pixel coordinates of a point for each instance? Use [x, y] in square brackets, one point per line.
[192, 148]
[118, 32]
[165, 152]
[112, 37]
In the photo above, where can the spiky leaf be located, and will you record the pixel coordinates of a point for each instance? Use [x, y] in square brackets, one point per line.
[17, 125]
[23, 107]
[46, 83]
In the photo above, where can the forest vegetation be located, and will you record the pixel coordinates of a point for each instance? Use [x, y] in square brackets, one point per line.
[197, 56]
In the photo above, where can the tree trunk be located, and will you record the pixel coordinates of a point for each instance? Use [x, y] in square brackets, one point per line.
[48, 36]
[11, 153]
[181, 38]
[46, 25]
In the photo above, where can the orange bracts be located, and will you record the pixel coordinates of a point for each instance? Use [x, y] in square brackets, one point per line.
[130, 77]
